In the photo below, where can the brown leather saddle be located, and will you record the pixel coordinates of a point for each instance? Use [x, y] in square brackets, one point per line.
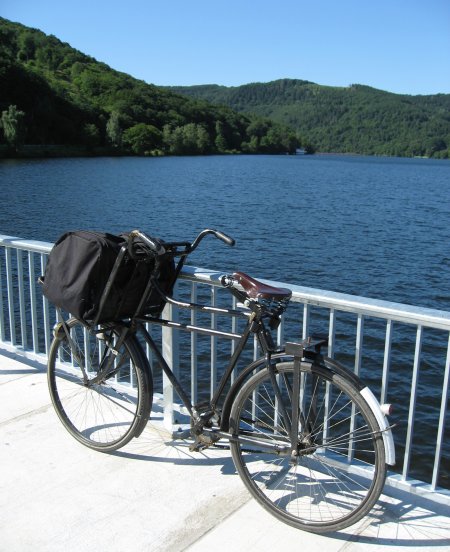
[257, 290]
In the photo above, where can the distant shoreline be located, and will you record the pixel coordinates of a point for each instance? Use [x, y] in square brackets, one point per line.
[51, 151]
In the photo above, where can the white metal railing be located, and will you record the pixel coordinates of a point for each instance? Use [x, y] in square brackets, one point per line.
[26, 319]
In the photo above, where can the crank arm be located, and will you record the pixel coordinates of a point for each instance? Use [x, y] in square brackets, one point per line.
[277, 448]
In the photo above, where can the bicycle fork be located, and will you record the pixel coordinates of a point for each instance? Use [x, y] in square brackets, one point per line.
[111, 358]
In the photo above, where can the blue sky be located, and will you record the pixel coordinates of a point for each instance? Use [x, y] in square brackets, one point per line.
[402, 46]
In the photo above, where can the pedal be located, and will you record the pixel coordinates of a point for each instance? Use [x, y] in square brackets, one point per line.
[203, 441]
[196, 446]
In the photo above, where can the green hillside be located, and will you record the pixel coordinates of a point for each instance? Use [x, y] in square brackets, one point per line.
[51, 93]
[356, 119]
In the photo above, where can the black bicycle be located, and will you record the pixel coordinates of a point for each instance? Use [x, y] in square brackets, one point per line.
[307, 437]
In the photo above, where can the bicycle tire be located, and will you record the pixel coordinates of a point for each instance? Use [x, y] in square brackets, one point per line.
[106, 415]
[340, 469]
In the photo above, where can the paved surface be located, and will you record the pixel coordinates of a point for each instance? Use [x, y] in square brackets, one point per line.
[154, 495]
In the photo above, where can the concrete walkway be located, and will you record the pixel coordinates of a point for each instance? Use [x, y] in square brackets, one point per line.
[154, 495]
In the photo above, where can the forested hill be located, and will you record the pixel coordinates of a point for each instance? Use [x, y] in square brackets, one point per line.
[356, 119]
[51, 93]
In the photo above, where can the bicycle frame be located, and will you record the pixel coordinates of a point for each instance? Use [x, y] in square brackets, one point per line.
[254, 325]
[202, 413]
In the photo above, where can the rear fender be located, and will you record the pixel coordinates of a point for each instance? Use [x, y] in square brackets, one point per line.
[333, 367]
[385, 429]
[373, 403]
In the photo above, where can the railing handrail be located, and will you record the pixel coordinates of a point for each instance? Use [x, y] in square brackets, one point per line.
[26, 245]
[378, 308]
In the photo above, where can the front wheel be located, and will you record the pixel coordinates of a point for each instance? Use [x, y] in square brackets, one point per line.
[333, 475]
[103, 409]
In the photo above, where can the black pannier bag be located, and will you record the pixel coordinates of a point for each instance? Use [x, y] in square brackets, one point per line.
[78, 269]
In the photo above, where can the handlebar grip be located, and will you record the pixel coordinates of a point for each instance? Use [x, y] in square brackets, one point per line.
[216, 233]
[224, 238]
[153, 245]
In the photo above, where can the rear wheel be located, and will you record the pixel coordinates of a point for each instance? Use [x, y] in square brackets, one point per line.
[101, 409]
[338, 469]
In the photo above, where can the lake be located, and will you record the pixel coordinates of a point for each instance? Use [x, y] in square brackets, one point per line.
[375, 227]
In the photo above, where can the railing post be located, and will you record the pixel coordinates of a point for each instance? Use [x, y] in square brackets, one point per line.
[306, 313]
[358, 358]
[21, 288]
[170, 351]
[194, 342]
[234, 329]
[2, 317]
[359, 343]
[46, 312]
[412, 403]
[440, 434]
[386, 361]
[331, 333]
[34, 322]
[9, 287]
[213, 380]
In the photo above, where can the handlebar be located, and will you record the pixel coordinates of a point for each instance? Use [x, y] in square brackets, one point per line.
[158, 247]
[220, 235]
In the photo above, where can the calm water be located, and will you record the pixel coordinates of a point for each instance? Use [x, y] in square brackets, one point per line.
[366, 226]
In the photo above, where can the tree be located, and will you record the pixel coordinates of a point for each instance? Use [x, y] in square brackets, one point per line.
[291, 142]
[91, 135]
[27, 45]
[203, 140]
[142, 138]
[309, 148]
[190, 139]
[114, 130]
[258, 128]
[220, 141]
[167, 138]
[433, 145]
[13, 123]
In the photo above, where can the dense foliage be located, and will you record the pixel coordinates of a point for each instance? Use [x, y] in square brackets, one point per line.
[69, 98]
[356, 119]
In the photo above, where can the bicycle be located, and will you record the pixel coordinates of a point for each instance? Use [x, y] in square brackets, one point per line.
[308, 438]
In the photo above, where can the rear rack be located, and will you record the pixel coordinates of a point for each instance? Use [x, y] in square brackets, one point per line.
[311, 344]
